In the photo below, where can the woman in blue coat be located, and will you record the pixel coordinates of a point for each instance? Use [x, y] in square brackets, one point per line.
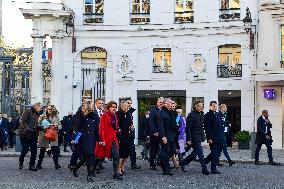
[88, 123]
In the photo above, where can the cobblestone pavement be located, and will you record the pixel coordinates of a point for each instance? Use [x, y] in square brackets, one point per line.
[236, 154]
[238, 176]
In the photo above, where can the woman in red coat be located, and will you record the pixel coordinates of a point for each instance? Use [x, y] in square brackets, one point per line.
[109, 132]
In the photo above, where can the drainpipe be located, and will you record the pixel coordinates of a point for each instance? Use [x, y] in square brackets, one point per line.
[253, 134]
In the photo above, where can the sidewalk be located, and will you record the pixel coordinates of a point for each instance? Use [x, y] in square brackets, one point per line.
[242, 156]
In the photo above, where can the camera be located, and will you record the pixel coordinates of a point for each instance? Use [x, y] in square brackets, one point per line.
[75, 84]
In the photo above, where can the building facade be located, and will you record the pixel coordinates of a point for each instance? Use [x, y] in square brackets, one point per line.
[0, 17]
[143, 49]
[269, 73]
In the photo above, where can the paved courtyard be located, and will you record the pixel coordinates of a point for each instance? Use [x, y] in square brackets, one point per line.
[239, 176]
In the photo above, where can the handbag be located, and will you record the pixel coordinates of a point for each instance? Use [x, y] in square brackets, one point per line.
[51, 133]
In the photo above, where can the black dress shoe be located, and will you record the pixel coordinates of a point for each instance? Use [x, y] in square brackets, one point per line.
[32, 168]
[205, 172]
[90, 178]
[75, 173]
[65, 150]
[135, 167]
[231, 162]
[117, 176]
[216, 172]
[274, 163]
[100, 168]
[168, 173]
[21, 166]
[39, 166]
[153, 169]
[57, 166]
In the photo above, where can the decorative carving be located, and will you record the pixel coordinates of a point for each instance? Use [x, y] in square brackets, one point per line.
[124, 67]
[198, 65]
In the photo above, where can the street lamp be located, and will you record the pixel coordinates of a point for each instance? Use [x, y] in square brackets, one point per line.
[249, 28]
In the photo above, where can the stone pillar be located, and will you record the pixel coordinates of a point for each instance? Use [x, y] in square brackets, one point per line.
[56, 73]
[37, 83]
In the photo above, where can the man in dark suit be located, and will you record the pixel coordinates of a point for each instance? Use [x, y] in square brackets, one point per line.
[167, 133]
[154, 133]
[128, 102]
[195, 135]
[99, 110]
[263, 136]
[224, 126]
[212, 129]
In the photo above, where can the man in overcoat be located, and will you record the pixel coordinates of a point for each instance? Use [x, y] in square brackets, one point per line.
[154, 132]
[263, 136]
[167, 133]
[28, 135]
[213, 134]
[195, 135]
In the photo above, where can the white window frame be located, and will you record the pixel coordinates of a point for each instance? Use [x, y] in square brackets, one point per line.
[230, 13]
[184, 11]
[93, 18]
[140, 14]
[161, 67]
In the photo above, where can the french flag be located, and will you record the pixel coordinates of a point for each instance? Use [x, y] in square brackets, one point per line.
[46, 55]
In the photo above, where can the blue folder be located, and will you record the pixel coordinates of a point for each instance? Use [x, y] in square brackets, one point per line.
[78, 135]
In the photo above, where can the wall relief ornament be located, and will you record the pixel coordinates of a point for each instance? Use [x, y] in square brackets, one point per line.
[124, 66]
[197, 68]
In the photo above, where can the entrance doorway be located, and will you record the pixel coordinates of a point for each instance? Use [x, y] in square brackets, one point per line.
[147, 99]
[232, 98]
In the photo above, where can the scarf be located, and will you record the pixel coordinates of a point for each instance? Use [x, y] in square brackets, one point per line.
[114, 121]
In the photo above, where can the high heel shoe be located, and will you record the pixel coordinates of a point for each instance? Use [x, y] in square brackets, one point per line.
[123, 172]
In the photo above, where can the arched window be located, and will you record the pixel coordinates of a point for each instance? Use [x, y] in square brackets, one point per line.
[184, 11]
[94, 11]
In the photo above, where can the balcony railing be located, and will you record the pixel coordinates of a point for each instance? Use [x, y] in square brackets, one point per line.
[139, 18]
[159, 69]
[227, 71]
[184, 17]
[230, 14]
[93, 18]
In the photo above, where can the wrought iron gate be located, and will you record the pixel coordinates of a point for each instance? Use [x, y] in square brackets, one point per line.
[15, 80]
[94, 83]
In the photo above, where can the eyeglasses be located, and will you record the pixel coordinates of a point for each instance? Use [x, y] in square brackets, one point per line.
[49, 109]
[114, 107]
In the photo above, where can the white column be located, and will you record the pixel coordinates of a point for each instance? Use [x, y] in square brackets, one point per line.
[56, 73]
[37, 83]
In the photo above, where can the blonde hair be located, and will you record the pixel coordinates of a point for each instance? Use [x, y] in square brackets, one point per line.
[222, 106]
[179, 111]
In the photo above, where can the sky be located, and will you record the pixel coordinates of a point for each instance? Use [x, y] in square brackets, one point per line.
[16, 29]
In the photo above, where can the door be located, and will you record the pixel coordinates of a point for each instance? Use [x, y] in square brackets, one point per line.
[232, 98]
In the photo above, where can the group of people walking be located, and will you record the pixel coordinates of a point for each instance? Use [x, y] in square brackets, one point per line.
[98, 131]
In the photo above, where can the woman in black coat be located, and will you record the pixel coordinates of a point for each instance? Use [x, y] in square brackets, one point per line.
[88, 123]
[125, 123]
